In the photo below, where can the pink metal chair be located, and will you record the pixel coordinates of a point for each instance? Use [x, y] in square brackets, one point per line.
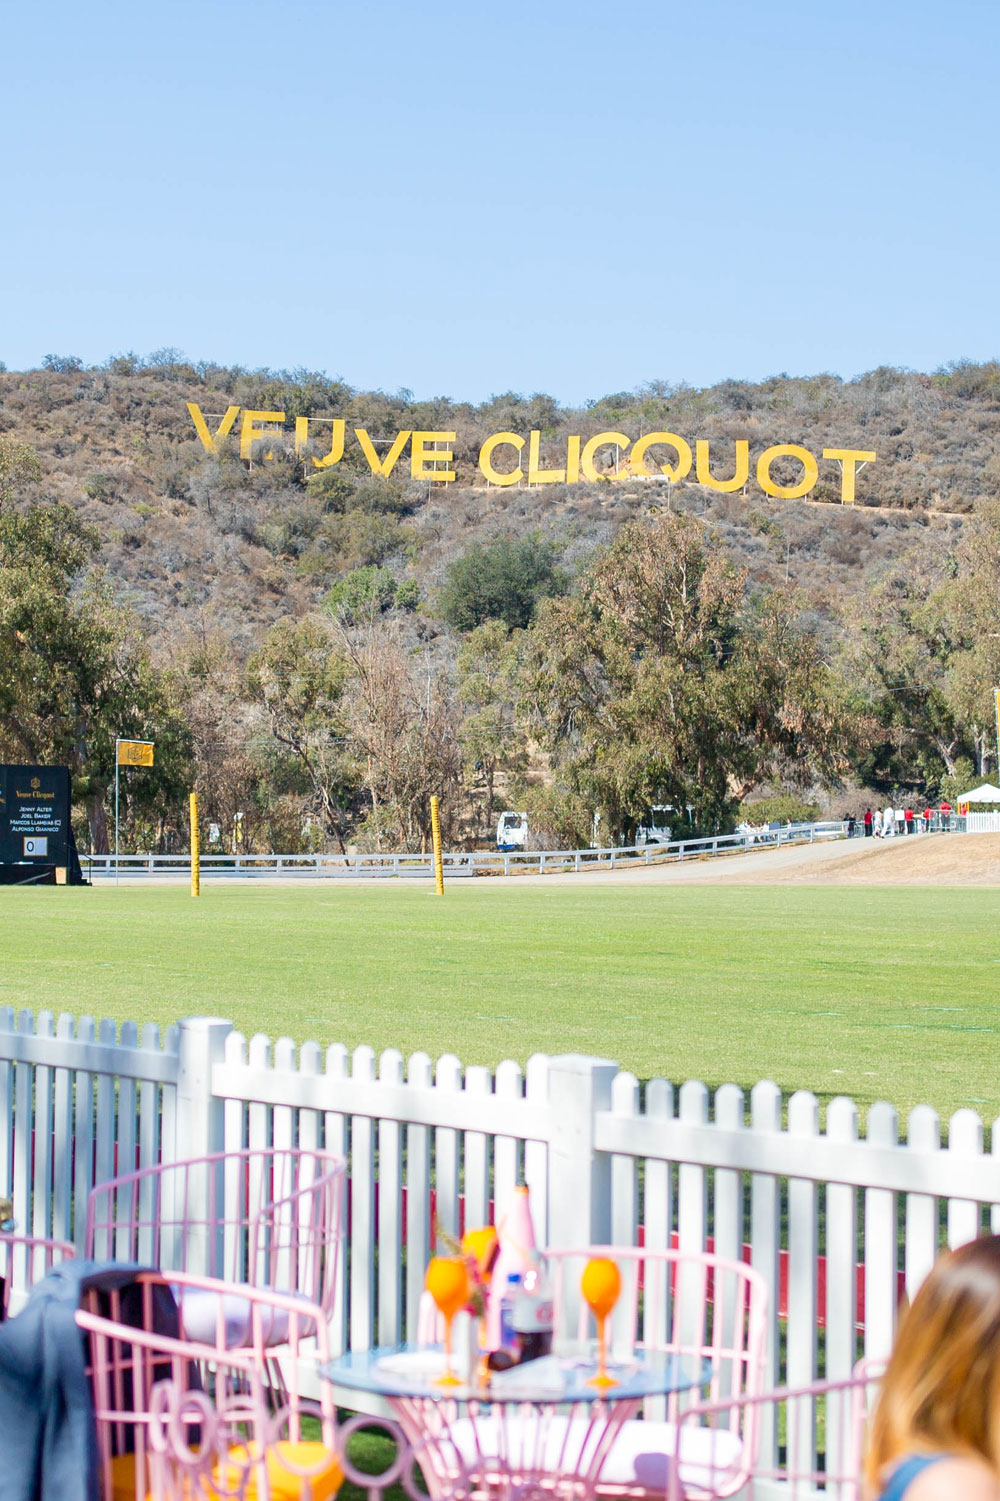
[25, 1259]
[698, 1307]
[261, 1217]
[800, 1469]
[184, 1418]
[198, 1450]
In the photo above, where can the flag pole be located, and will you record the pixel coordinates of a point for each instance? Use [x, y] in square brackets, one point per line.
[117, 743]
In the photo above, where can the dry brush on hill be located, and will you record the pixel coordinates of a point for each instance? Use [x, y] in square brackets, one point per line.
[209, 554]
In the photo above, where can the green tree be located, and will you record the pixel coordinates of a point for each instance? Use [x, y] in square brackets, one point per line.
[19, 467]
[780, 809]
[897, 653]
[361, 593]
[666, 683]
[296, 680]
[493, 742]
[922, 650]
[969, 611]
[503, 581]
[249, 785]
[402, 720]
[75, 670]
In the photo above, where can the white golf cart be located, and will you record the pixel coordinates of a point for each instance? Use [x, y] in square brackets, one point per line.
[656, 829]
[512, 832]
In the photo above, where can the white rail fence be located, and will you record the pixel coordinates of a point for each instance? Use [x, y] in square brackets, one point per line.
[477, 862]
[837, 1223]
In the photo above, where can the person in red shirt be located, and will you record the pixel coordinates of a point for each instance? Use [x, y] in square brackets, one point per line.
[927, 820]
[868, 823]
[909, 820]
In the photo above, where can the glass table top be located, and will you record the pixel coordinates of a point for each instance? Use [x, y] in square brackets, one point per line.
[408, 1371]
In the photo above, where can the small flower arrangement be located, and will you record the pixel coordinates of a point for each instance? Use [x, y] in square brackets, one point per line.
[479, 1249]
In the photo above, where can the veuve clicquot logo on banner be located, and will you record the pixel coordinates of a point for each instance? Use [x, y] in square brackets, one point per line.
[134, 752]
[510, 458]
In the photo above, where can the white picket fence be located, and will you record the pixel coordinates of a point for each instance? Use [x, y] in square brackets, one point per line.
[832, 1220]
[982, 823]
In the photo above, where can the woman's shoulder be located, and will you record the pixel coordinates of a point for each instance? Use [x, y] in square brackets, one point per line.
[953, 1477]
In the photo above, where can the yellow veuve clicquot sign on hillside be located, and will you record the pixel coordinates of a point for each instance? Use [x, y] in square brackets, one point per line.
[135, 753]
[432, 455]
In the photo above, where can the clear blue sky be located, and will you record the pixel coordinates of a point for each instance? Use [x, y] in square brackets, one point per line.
[465, 198]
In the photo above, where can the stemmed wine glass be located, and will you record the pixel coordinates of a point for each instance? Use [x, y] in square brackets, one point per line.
[601, 1286]
[447, 1281]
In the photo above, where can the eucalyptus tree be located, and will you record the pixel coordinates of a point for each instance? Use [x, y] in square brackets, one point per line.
[76, 672]
[665, 680]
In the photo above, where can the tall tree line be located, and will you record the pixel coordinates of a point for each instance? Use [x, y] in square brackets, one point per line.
[657, 674]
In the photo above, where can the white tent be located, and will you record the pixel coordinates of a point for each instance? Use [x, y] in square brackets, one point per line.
[987, 793]
[980, 816]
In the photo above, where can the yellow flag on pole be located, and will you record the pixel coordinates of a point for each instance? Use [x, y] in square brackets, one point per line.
[135, 753]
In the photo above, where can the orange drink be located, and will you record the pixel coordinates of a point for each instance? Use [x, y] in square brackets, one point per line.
[447, 1281]
[601, 1287]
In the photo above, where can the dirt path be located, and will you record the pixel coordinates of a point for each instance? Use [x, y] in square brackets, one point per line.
[921, 860]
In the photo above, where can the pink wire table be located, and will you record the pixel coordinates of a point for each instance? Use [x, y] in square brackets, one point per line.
[540, 1430]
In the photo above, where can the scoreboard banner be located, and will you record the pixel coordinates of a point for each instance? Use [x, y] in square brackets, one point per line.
[35, 815]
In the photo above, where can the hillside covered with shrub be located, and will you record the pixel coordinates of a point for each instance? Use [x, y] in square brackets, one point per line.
[321, 647]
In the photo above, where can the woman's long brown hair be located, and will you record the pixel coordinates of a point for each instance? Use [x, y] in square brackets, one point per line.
[941, 1391]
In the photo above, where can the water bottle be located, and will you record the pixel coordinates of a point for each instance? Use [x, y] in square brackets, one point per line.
[534, 1315]
[505, 1355]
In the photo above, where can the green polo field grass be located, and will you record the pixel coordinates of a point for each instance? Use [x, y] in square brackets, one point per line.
[877, 993]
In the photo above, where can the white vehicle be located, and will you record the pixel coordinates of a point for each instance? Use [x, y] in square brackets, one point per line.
[656, 829]
[512, 832]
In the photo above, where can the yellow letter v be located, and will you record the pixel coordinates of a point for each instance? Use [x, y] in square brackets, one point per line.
[386, 466]
[223, 430]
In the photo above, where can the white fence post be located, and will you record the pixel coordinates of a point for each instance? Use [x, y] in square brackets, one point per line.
[579, 1176]
[199, 1118]
[803, 1251]
[765, 1239]
[881, 1250]
[965, 1138]
[923, 1134]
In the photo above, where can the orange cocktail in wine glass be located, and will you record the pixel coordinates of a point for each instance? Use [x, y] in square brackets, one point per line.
[601, 1286]
[447, 1281]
